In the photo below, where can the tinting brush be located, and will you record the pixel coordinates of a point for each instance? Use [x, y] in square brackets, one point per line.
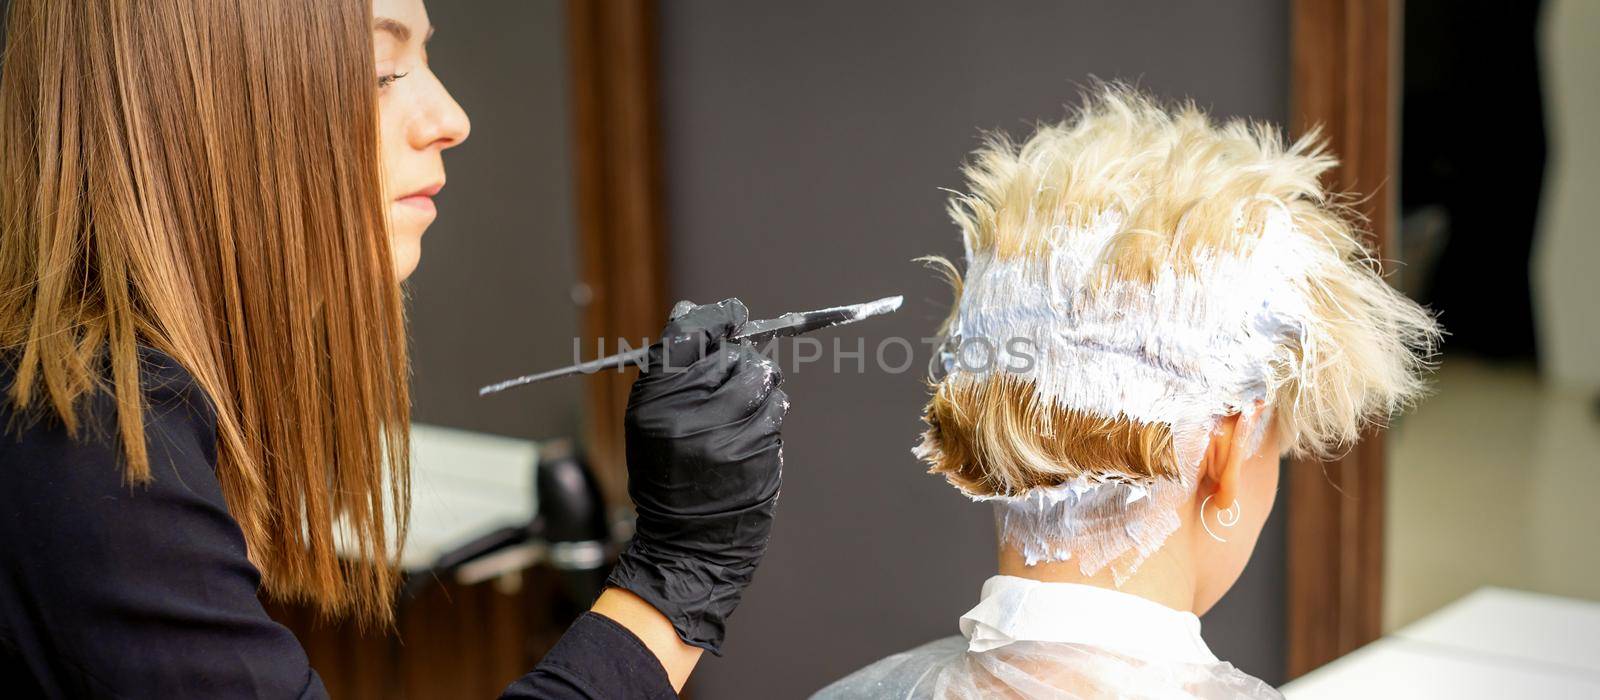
[788, 325]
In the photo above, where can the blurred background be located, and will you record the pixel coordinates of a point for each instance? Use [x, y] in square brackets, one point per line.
[1499, 177]
[628, 154]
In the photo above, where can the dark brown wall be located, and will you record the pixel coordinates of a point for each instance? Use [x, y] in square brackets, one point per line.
[805, 144]
[493, 295]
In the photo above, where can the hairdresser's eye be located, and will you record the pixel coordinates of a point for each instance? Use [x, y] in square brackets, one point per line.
[387, 80]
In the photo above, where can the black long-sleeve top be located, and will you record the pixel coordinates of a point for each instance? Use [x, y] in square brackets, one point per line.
[112, 590]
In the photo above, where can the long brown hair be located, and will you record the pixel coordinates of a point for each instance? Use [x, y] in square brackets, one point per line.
[202, 178]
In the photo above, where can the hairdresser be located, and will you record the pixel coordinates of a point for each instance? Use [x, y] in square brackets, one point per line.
[207, 210]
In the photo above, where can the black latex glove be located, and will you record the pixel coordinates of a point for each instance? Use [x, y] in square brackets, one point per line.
[705, 461]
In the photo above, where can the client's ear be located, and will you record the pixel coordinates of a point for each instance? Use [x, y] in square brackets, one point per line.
[1223, 468]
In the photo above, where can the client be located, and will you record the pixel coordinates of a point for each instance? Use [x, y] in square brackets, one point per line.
[1155, 308]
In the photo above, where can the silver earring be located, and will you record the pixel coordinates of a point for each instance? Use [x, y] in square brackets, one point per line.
[1226, 517]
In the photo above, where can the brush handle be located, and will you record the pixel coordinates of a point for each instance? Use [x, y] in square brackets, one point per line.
[617, 361]
[754, 332]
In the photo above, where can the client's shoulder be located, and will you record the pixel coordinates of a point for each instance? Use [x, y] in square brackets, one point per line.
[900, 675]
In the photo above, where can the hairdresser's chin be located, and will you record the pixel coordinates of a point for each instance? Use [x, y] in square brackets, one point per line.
[417, 122]
[410, 215]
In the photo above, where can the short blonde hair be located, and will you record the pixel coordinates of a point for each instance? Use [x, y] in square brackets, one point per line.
[1168, 198]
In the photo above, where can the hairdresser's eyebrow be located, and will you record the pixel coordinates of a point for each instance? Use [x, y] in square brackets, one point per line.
[398, 29]
[401, 32]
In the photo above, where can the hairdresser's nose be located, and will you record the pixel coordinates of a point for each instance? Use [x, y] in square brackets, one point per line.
[442, 124]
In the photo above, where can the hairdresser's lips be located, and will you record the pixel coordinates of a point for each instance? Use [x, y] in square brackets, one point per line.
[422, 199]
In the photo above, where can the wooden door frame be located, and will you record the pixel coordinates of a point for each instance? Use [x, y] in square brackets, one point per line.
[617, 174]
[1344, 77]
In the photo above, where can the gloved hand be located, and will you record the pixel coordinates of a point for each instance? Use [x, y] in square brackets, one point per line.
[705, 460]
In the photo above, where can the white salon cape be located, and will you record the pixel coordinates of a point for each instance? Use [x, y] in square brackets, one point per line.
[1030, 639]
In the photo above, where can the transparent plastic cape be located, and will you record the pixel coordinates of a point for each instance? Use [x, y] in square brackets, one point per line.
[945, 670]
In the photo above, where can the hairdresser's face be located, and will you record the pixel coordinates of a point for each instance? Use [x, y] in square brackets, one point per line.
[417, 121]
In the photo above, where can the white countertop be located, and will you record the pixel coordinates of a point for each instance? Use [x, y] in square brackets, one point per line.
[1493, 643]
[463, 485]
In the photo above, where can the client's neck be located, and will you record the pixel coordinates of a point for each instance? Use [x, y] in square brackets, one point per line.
[1166, 577]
